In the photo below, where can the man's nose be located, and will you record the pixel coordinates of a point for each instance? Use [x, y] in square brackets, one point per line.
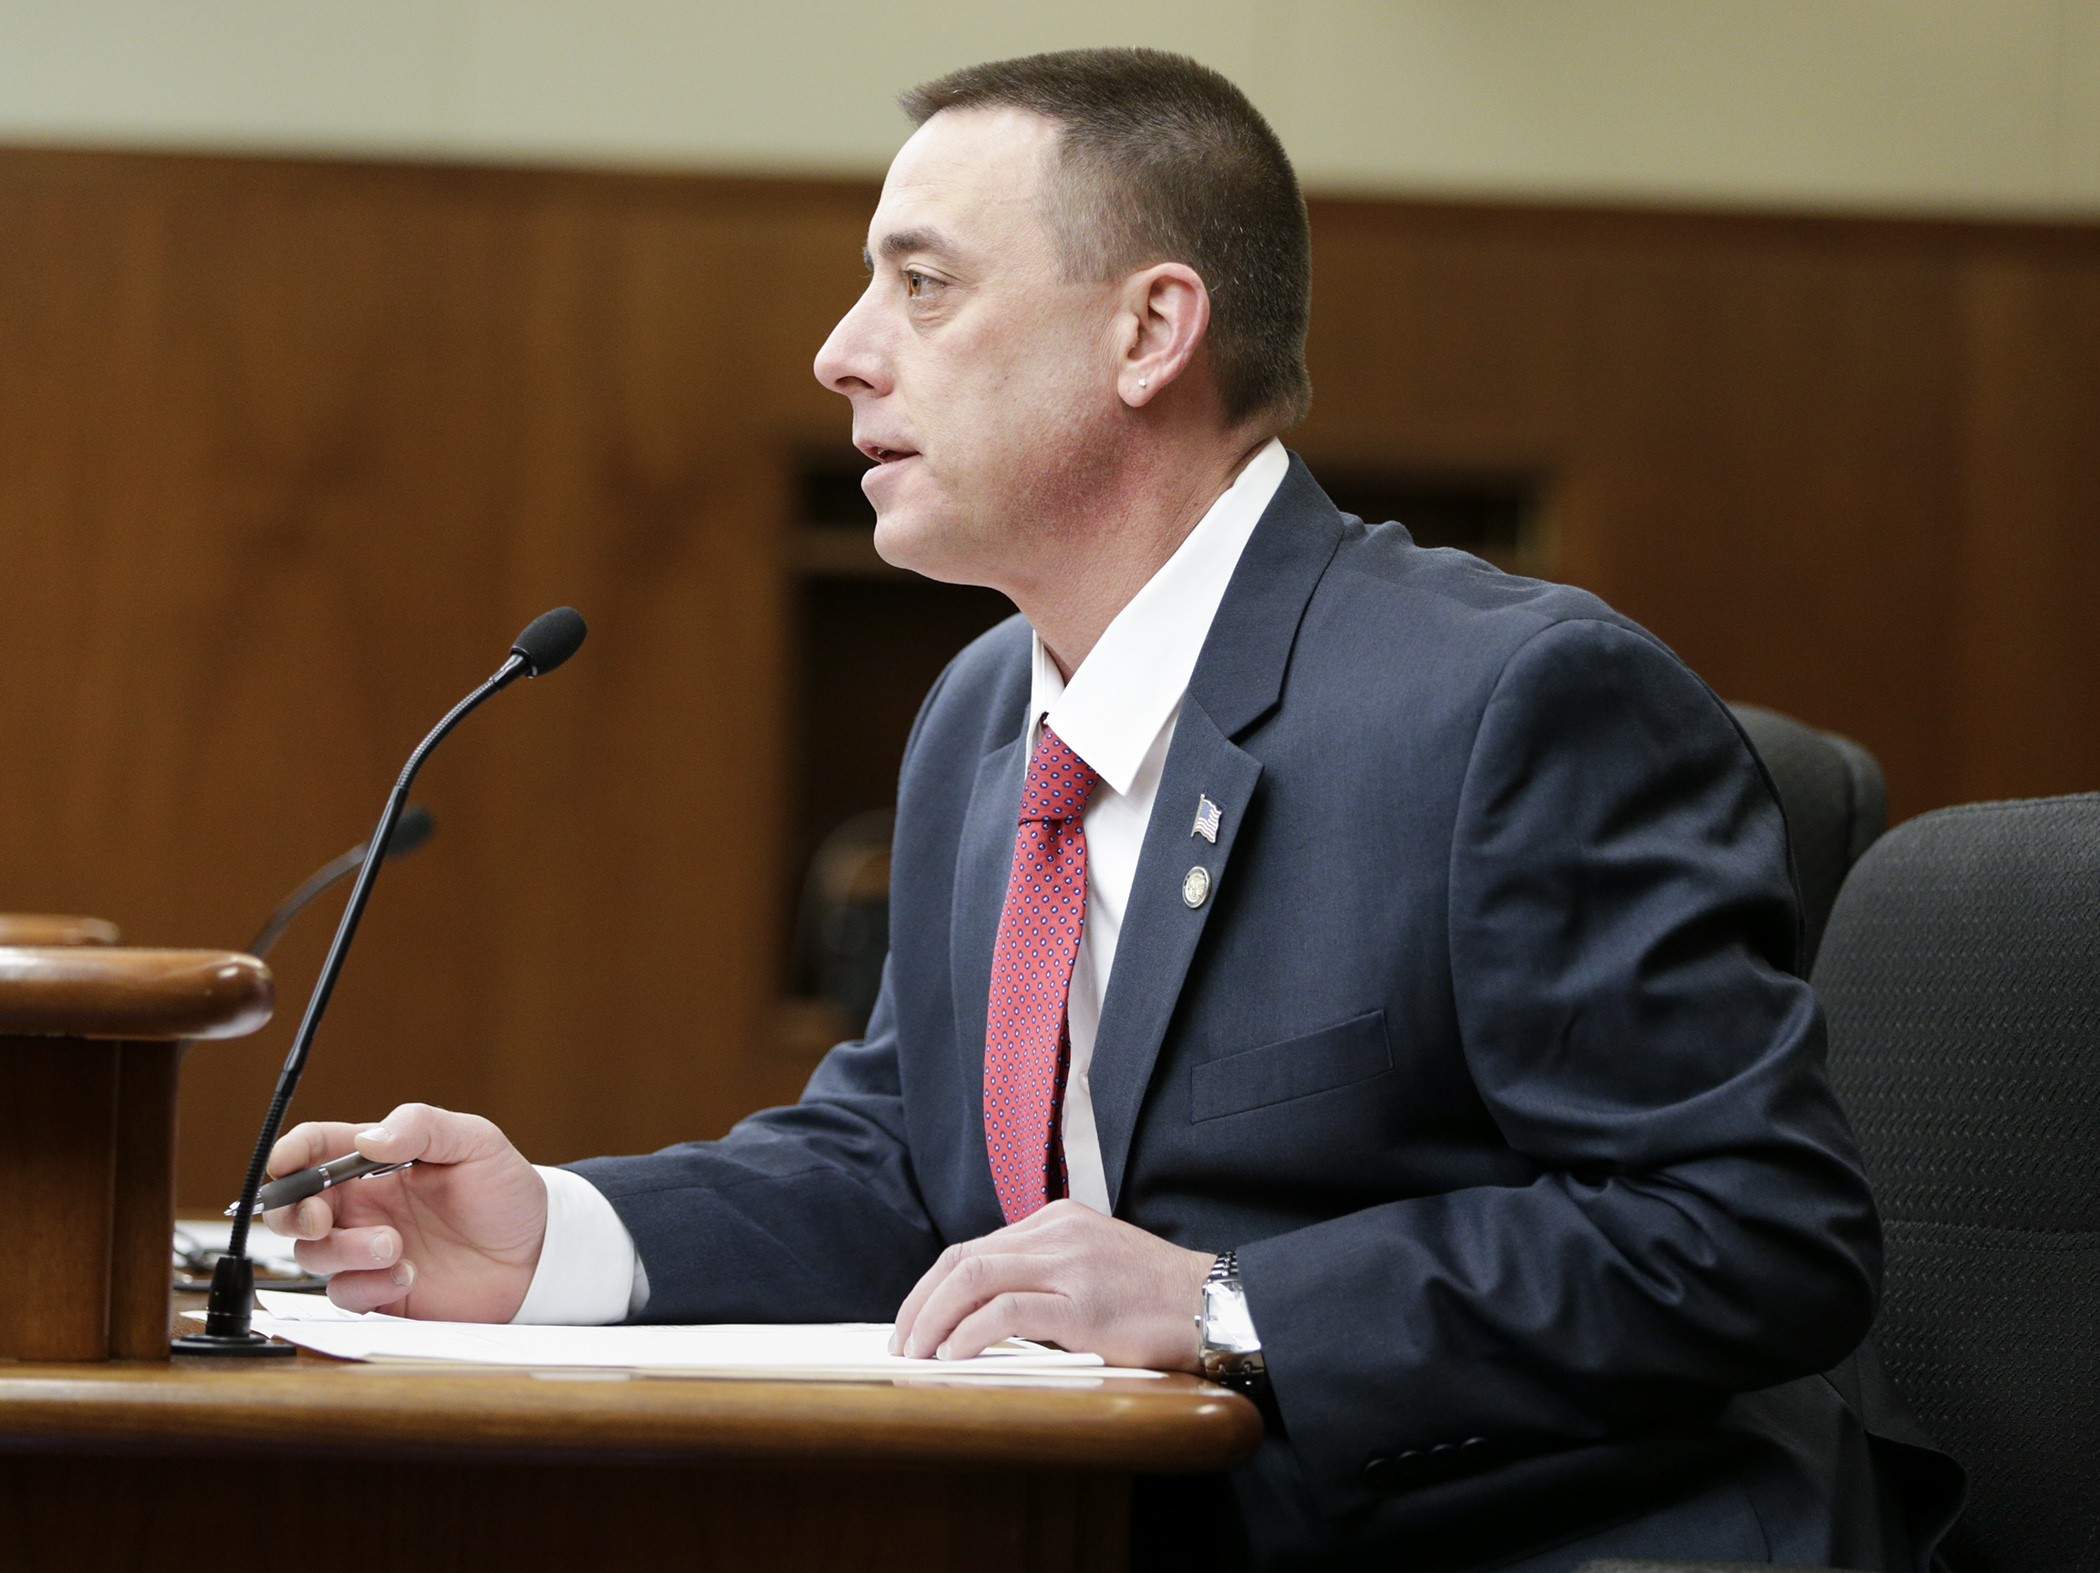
[850, 361]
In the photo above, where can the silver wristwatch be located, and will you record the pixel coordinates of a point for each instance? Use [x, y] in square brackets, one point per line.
[1228, 1345]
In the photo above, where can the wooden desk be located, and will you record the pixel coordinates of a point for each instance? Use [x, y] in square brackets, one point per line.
[126, 1465]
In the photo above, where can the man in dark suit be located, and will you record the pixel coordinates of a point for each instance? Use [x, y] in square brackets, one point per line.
[1317, 961]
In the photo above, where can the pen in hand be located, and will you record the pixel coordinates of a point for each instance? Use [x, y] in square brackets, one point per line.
[311, 1182]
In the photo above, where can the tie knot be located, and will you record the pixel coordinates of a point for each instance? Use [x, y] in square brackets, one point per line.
[1059, 781]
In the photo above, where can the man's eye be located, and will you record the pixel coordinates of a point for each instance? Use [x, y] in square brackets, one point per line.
[915, 283]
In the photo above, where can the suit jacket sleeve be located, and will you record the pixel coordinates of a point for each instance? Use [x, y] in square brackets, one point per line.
[1620, 915]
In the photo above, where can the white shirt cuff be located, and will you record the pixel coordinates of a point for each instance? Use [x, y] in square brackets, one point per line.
[589, 1272]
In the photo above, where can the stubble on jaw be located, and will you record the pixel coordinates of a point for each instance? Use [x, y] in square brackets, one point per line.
[1063, 524]
[1034, 511]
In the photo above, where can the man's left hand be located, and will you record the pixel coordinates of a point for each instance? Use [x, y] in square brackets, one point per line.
[1065, 1275]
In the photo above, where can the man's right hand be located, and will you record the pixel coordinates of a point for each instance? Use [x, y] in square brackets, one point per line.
[454, 1239]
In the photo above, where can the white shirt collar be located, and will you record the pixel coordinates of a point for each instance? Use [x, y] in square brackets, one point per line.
[1130, 686]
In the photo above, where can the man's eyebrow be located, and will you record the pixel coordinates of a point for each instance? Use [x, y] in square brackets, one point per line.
[902, 243]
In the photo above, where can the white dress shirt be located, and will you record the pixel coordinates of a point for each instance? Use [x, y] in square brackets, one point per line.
[1117, 713]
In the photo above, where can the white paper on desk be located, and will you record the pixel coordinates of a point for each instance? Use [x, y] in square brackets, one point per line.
[813, 1350]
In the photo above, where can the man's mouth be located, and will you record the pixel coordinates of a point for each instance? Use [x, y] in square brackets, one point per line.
[881, 453]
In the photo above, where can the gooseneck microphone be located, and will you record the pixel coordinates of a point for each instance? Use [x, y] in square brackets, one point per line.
[548, 640]
[411, 832]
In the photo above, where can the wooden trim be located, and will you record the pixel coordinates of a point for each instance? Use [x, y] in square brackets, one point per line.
[1621, 223]
[90, 992]
[1175, 1424]
[51, 928]
[251, 174]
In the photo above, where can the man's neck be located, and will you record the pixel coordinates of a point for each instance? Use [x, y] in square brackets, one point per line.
[1130, 536]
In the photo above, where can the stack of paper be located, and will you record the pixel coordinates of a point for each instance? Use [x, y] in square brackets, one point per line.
[850, 1351]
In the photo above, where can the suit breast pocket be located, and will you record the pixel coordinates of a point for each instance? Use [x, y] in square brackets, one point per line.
[1355, 1050]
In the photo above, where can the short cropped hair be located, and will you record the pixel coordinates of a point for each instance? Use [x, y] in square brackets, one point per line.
[1164, 160]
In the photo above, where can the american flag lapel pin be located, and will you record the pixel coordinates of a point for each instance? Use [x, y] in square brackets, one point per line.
[1206, 820]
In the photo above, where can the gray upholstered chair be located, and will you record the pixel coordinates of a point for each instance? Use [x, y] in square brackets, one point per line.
[1961, 974]
[1835, 803]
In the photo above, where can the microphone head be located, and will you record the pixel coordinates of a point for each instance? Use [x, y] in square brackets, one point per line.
[411, 830]
[549, 639]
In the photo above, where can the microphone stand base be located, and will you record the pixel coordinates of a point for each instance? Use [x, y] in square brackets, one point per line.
[249, 1346]
[226, 1314]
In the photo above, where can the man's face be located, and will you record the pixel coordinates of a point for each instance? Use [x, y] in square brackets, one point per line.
[982, 381]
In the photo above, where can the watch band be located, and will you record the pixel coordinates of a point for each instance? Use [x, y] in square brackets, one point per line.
[1227, 1345]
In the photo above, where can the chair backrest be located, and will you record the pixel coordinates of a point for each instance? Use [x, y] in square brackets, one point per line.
[1831, 790]
[1961, 975]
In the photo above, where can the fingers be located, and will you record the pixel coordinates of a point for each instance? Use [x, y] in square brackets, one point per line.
[413, 1130]
[425, 1132]
[378, 1289]
[1012, 1315]
[310, 1143]
[1042, 1230]
[349, 1250]
[305, 1220]
[970, 1284]
[302, 1147]
[921, 1292]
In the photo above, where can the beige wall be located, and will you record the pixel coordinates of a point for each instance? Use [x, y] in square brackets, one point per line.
[1962, 106]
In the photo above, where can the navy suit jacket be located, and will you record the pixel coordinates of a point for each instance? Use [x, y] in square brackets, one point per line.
[1484, 1052]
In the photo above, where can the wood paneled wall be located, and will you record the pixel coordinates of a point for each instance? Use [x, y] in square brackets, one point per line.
[288, 450]
[1848, 469]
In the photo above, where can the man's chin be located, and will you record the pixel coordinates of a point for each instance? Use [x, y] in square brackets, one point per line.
[903, 541]
[908, 539]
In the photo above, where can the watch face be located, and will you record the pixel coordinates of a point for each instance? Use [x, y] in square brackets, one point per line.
[1226, 1323]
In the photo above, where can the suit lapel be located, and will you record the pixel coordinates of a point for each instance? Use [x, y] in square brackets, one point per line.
[1239, 675]
[984, 860]
[1160, 927]
[1238, 679]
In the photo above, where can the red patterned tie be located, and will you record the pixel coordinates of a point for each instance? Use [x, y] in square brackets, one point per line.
[1027, 1044]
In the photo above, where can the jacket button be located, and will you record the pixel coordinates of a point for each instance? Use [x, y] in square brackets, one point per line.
[1396, 1471]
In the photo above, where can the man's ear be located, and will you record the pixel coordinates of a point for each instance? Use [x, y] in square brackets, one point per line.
[1165, 313]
